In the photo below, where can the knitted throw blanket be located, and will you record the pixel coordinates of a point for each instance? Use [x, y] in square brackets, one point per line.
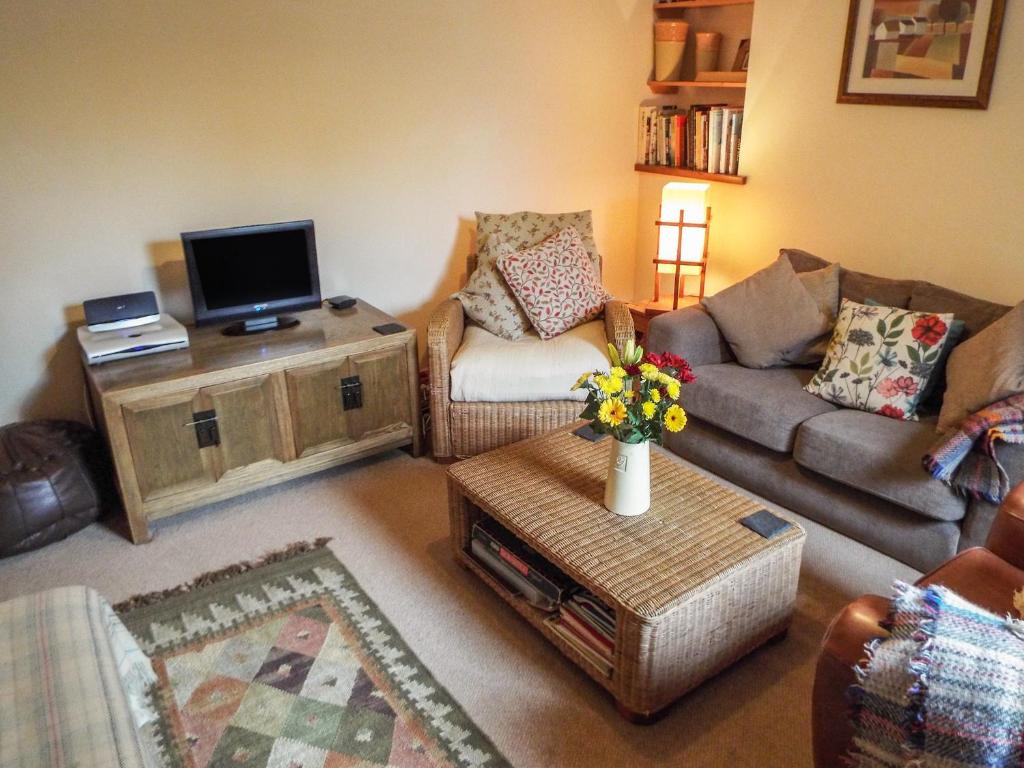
[978, 473]
[946, 690]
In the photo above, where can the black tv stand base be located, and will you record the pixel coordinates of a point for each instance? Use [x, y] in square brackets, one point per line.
[260, 325]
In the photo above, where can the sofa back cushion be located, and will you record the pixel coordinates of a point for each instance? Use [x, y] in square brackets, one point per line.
[858, 286]
[977, 314]
[525, 229]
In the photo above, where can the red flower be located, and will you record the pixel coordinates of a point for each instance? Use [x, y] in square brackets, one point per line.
[682, 369]
[929, 330]
[891, 411]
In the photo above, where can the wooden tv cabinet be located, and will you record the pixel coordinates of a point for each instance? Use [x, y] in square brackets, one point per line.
[235, 413]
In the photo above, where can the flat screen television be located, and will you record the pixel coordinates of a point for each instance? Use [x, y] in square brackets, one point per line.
[252, 274]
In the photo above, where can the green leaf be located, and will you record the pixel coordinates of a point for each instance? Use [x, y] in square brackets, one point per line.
[881, 328]
[913, 354]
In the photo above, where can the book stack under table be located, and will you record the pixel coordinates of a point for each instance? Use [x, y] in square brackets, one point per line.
[682, 591]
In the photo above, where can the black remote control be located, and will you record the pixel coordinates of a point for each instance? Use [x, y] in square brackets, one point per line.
[341, 302]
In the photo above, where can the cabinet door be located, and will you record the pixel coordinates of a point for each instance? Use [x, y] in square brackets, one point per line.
[247, 423]
[384, 381]
[318, 420]
[164, 446]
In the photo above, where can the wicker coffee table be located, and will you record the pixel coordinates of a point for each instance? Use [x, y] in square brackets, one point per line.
[692, 589]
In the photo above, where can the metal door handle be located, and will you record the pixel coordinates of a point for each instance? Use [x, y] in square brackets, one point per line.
[199, 421]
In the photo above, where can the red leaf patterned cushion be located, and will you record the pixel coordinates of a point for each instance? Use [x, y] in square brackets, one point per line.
[555, 283]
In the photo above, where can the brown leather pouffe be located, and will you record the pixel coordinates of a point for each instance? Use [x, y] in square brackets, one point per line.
[55, 479]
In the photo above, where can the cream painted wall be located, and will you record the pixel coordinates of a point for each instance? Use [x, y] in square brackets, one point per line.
[125, 123]
[898, 191]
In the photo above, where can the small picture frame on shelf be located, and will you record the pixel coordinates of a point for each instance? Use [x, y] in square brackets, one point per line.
[742, 56]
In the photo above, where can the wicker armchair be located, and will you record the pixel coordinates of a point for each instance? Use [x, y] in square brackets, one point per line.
[461, 429]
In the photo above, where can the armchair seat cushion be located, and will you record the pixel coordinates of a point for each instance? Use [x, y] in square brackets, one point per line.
[878, 455]
[764, 406]
[489, 369]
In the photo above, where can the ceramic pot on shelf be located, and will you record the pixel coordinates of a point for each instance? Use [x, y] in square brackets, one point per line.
[669, 46]
[708, 46]
[627, 490]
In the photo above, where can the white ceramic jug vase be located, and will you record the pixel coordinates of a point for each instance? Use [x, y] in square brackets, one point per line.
[628, 488]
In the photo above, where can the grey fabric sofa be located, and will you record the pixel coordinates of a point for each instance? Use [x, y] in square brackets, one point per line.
[855, 472]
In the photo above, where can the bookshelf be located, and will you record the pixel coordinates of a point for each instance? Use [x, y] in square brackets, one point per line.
[672, 86]
[680, 5]
[733, 18]
[686, 173]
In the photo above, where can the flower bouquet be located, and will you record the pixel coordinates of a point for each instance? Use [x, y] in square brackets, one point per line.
[634, 402]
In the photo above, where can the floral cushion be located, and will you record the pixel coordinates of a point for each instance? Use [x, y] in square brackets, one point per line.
[555, 283]
[487, 299]
[881, 358]
[525, 229]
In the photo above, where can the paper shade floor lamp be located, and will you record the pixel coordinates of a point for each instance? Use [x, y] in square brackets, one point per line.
[684, 223]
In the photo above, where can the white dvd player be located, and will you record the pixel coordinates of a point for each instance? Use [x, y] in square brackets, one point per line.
[164, 335]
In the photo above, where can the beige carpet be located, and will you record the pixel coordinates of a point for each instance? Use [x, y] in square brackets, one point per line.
[388, 517]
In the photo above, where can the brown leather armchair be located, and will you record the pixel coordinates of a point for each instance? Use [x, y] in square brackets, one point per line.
[987, 576]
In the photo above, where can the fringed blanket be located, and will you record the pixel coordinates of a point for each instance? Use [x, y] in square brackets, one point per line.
[978, 472]
[946, 690]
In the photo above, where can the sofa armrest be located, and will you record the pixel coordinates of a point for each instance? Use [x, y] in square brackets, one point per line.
[444, 337]
[618, 323]
[1006, 539]
[841, 650]
[689, 333]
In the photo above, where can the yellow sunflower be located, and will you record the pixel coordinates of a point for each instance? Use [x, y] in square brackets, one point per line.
[655, 396]
[649, 409]
[612, 412]
[675, 418]
[609, 384]
[673, 389]
[580, 381]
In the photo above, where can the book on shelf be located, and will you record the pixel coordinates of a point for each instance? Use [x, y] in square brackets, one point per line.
[704, 137]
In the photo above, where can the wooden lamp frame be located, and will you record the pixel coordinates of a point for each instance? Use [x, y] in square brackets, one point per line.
[678, 283]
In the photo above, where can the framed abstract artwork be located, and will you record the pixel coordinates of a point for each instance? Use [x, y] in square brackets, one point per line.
[921, 53]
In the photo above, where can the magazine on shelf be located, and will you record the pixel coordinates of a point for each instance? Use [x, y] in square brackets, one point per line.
[529, 564]
[558, 626]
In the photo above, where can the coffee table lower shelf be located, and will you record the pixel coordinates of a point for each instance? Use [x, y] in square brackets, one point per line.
[536, 617]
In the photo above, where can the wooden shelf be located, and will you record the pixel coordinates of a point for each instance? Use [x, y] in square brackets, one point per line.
[680, 5]
[672, 86]
[668, 170]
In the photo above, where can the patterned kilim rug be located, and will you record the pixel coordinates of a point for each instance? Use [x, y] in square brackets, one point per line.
[287, 663]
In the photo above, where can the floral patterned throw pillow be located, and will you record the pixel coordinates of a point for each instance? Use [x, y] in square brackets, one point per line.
[555, 283]
[488, 301]
[525, 229]
[881, 358]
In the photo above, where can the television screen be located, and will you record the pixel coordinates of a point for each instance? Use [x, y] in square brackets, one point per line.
[247, 272]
